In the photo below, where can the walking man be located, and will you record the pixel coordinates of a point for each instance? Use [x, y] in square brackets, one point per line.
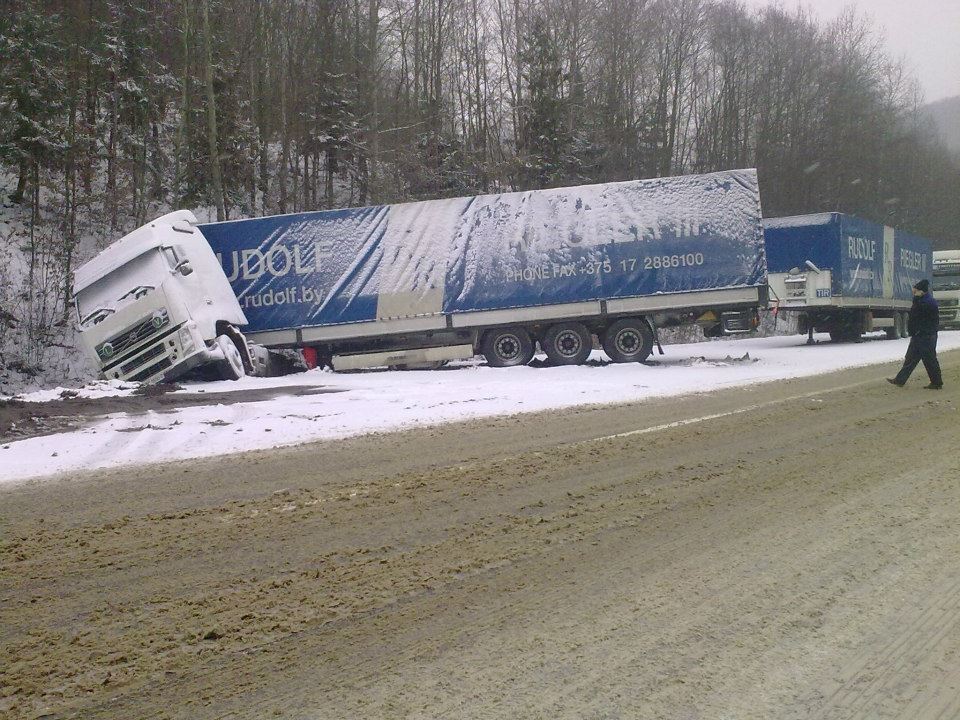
[922, 326]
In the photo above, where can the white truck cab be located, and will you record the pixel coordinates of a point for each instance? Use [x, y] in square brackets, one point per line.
[946, 286]
[156, 304]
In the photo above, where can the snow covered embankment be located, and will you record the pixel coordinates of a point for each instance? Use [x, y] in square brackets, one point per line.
[381, 401]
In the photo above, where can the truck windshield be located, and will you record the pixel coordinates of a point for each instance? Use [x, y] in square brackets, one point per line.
[946, 276]
[119, 287]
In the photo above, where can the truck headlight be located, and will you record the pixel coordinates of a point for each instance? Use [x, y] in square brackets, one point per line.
[186, 340]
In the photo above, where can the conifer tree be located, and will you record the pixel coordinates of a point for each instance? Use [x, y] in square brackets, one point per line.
[31, 93]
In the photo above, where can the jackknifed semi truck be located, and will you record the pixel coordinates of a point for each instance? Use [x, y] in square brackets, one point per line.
[844, 275]
[422, 283]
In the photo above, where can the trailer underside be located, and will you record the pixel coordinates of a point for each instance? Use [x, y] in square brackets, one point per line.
[509, 336]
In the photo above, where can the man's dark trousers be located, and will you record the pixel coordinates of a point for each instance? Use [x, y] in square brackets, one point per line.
[922, 347]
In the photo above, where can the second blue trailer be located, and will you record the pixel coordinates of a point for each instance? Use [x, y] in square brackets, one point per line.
[844, 275]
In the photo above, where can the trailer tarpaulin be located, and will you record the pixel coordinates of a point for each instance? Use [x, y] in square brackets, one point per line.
[509, 250]
[867, 260]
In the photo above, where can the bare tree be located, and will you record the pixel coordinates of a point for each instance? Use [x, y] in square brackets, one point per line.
[216, 182]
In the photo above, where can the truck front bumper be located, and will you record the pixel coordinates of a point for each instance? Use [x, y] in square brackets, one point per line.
[169, 356]
[949, 316]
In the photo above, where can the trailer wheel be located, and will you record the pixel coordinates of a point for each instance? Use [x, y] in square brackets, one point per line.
[231, 367]
[628, 340]
[507, 347]
[567, 343]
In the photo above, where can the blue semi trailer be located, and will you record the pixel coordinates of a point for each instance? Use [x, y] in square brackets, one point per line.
[416, 284]
[844, 275]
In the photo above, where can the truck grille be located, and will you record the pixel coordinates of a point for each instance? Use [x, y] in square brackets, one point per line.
[150, 354]
[796, 286]
[133, 335]
[152, 370]
[737, 322]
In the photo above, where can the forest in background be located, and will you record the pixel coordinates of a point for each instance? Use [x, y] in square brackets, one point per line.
[112, 112]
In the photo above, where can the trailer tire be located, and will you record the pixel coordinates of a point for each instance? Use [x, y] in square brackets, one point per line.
[567, 343]
[507, 347]
[231, 367]
[628, 340]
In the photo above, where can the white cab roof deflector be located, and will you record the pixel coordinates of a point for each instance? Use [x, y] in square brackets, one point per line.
[141, 240]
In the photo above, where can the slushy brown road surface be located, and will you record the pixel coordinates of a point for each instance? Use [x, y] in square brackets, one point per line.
[790, 550]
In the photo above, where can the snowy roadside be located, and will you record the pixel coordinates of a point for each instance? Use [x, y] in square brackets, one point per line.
[380, 401]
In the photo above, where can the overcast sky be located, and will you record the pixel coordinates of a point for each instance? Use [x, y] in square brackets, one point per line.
[925, 32]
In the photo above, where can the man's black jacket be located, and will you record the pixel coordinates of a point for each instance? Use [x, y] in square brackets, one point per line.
[924, 316]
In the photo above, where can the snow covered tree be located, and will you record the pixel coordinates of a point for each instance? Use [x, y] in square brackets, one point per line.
[546, 142]
[31, 92]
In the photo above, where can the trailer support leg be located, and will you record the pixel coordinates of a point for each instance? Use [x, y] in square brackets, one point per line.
[656, 334]
[810, 340]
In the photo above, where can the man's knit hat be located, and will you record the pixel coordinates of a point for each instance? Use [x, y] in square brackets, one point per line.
[923, 286]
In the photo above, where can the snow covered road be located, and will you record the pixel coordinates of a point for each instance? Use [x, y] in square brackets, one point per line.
[787, 550]
[378, 401]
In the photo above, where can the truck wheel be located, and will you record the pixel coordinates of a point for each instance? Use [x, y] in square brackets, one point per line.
[232, 332]
[628, 340]
[507, 347]
[567, 343]
[231, 367]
